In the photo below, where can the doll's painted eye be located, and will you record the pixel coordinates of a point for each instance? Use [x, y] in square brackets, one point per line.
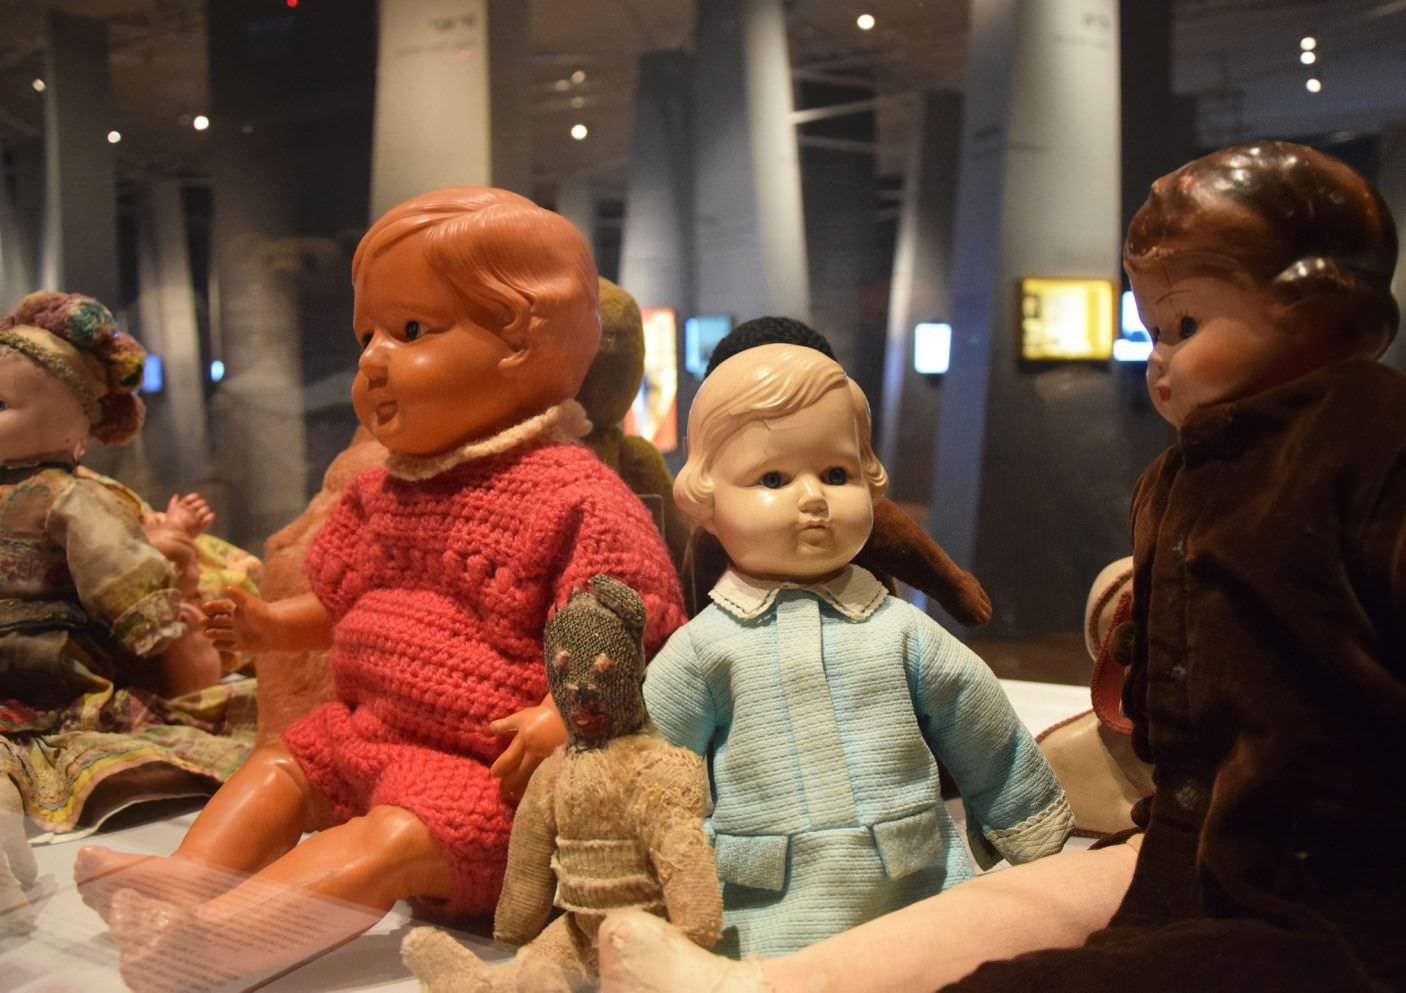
[772, 480]
[836, 475]
[365, 342]
[412, 330]
[1187, 327]
[4, 405]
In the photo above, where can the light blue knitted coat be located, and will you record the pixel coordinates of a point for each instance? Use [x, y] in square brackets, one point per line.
[819, 709]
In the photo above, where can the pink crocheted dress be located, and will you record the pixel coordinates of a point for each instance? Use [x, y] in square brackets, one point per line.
[439, 589]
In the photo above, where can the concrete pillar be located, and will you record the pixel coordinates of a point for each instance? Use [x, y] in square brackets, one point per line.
[836, 129]
[166, 305]
[292, 96]
[656, 245]
[1035, 466]
[451, 98]
[749, 222]
[920, 290]
[576, 201]
[80, 217]
[21, 219]
[1391, 181]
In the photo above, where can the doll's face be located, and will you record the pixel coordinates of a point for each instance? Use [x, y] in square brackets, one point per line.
[789, 499]
[38, 414]
[1216, 339]
[429, 378]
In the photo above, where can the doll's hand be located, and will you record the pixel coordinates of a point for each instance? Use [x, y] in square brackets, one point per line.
[17, 866]
[538, 731]
[190, 513]
[240, 623]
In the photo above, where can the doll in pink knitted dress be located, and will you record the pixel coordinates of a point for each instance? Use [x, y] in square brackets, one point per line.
[431, 582]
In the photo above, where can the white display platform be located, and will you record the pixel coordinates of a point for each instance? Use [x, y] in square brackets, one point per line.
[70, 951]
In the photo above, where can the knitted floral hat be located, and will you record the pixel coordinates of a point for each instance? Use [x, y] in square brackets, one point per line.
[75, 339]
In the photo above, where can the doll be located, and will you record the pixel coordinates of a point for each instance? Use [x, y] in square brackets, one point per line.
[192, 662]
[88, 607]
[1266, 655]
[818, 698]
[612, 820]
[897, 548]
[431, 581]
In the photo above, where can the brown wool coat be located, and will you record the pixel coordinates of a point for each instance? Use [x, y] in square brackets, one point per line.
[1268, 686]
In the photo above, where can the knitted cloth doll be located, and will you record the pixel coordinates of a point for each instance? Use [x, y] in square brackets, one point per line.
[612, 821]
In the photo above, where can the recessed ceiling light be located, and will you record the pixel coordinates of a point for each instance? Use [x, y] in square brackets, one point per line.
[200, 122]
[38, 85]
[865, 22]
[113, 137]
[561, 84]
[1308, 58]
[578, 77]
[580, 131]
[1313, 84]
[1308, 43]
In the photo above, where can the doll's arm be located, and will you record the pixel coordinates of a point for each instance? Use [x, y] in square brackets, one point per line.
[537, 732]
[119, 575]
[677, 696]
[244, 623]
[526, 901]
[1015, 806]
[671, 801]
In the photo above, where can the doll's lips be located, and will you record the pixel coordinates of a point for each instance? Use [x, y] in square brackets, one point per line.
[385, 412]
[590, 721]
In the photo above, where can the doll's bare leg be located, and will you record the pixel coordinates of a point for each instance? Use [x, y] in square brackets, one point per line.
[1054, 902]
[321, 893]
[255, 817]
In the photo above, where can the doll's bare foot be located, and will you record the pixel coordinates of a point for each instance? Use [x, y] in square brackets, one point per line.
[442, 964]
[164, 948]
[642, 953]
[100, 874]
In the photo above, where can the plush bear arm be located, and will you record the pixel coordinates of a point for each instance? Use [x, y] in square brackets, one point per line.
[526, 901]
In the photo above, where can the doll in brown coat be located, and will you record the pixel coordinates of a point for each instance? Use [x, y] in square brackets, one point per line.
[613, 820]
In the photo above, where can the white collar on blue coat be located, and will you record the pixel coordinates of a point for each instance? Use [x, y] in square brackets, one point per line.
[854, 592]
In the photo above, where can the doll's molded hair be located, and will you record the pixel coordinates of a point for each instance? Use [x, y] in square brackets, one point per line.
[1303, 225]
[518, 268]
[764, 383]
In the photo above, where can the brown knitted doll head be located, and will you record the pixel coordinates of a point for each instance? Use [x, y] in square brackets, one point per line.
[595, 662]
[1285, 219]
[76, 340]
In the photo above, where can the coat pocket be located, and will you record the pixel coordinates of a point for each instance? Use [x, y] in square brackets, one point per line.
[756, 860]
[907, 844]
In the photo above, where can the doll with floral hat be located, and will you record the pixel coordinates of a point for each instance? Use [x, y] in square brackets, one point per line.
[88, 607]
[432, 579]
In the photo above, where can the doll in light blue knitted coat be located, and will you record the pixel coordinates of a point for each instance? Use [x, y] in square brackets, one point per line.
[819, 699]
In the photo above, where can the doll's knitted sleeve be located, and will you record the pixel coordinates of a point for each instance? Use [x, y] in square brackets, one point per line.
[612, 533]
[526, 900]
[1009, 790]
[331, 564]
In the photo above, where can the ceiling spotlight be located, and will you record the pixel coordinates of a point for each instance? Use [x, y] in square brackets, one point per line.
[579, 131]
[561, 84]
[38, 85]
[1308, 43]
[865, 22]
[200, 122]
[1308, 58]
[578, 77]
[577, 103]
[1313, 84]
[113, 137]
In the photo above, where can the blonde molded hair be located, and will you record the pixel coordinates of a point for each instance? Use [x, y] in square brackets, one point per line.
[762, 384]
[521, 271]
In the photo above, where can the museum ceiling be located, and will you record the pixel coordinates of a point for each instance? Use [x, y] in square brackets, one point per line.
[1238, 58]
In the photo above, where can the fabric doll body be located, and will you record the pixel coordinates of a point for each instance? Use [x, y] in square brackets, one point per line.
[821, 707]
[436, 587]
[613, 820]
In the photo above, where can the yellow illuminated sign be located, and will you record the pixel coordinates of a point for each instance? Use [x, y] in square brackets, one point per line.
[1066, 319]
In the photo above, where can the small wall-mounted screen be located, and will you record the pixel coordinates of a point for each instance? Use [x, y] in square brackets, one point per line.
[1066, 319]
[153, 374]
[1134, 344]
[932, 348]
[701, 335]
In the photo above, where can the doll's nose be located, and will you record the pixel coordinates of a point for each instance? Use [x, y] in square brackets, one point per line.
[812, 496]
[374, 355]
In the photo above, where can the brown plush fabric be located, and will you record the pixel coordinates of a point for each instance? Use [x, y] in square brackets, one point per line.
[1267, 687]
